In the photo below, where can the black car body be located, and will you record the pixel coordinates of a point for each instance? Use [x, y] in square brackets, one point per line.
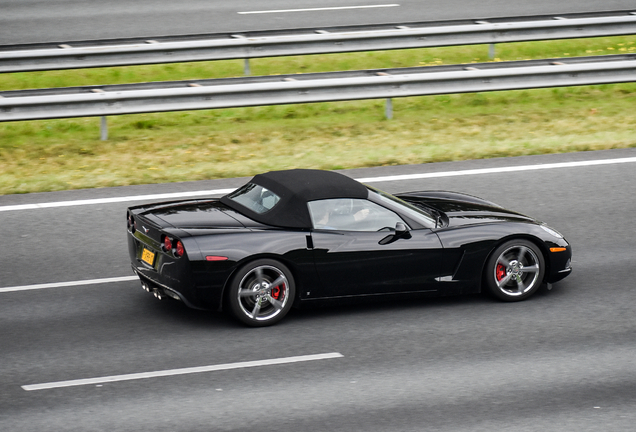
[297, 236]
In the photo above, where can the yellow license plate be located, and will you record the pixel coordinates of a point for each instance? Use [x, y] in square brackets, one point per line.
[148, 256]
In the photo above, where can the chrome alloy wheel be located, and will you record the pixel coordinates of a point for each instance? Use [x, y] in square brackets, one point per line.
[517, 270]
[263, 293]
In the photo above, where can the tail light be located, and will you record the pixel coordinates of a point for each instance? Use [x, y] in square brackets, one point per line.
[172, 246]
[167, 244]
[179, 250]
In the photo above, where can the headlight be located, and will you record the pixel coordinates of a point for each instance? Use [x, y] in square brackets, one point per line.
[551, 231]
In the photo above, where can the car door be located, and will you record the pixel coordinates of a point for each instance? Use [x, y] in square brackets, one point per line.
[358, 252]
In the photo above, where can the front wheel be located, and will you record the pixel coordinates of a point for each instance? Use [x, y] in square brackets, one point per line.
[515, 270]
[262, 292]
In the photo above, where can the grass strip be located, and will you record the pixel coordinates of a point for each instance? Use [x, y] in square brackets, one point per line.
[65, 154]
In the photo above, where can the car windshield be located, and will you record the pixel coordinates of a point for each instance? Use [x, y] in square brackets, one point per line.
[417, 213]
[255, 197]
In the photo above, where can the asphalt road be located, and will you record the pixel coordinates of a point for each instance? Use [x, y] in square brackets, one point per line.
[564, 360]
[31, 21]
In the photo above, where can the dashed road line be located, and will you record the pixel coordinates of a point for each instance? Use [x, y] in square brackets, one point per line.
[319, 9]
[68, 284]
[183, 371]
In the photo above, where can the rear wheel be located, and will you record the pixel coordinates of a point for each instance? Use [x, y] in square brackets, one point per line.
[515, 270]
[262, 292]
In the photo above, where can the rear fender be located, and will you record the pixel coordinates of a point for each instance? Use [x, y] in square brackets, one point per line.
[293, 268]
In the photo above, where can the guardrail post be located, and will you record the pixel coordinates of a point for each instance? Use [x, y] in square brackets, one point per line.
[246, 68]
[491, 51]
[388, 108]
[103, 129]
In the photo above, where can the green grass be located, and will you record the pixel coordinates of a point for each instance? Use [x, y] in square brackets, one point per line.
[180, 146]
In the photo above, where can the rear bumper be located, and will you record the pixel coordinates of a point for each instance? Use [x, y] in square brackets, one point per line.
[160, 290]
[167, 276]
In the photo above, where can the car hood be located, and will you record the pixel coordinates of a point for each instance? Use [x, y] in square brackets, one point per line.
[192, 214]
[462, 209]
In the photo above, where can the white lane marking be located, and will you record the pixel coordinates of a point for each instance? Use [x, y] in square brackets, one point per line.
[184, 371]
[177, 195]
[68, 284]
[115, 200]
[498, 170]
[223, 191]
[319, 9]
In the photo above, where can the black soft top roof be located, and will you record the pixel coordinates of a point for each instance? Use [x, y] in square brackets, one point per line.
[295, 188]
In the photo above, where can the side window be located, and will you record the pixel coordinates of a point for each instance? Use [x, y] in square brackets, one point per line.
[255, 197]
[348, 214]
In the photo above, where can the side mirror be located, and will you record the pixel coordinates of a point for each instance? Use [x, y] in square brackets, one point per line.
[401, 231]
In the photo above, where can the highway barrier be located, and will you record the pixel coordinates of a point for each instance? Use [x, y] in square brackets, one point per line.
[248, 45]
[315, 87]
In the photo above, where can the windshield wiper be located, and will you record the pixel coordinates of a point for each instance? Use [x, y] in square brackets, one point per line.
[438, 215]
[438, 219]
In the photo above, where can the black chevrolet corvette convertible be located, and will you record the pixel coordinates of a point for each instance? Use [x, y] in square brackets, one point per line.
[288, 238]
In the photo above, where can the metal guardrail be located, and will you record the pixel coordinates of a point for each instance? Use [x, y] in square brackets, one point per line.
[307, 88]
[119, 52]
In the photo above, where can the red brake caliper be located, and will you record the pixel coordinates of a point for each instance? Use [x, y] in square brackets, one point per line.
[276, 292]
[501, 272]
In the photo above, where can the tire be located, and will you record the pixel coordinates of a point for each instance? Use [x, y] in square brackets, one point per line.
[515, 270]
[261, 293]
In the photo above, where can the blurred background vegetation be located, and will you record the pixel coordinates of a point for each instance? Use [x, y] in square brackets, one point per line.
[51, 155]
